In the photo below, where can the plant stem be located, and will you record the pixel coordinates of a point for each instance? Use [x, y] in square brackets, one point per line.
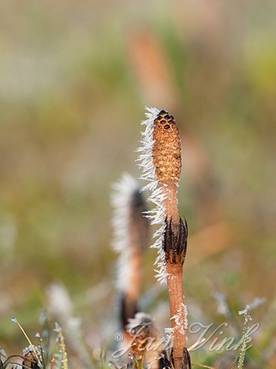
[175, 245]
[175, 291]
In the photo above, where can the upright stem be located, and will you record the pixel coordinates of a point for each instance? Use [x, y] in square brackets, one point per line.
[175, 244]
[165, 167]
[170, 203]
[135, 268]
[176, 300]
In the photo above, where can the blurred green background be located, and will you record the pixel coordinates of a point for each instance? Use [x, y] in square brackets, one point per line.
[74, 80]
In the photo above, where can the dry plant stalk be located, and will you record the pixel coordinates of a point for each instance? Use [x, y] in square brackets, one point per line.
[160, 160]
[131, 234]
[151, 65]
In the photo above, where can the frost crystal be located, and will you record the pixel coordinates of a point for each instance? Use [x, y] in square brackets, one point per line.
[123, 191]
[157, 215]
[180, 319]
[140, 321]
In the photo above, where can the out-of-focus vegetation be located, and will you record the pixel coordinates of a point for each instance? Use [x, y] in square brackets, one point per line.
[74, 79]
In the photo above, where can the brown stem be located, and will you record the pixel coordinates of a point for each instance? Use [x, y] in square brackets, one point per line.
[166, 155]
[175, 244]
[134, 284]
[175, 290]
[170, 202]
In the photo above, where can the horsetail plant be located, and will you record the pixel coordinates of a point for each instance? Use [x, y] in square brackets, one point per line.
[160, 161]
[131, 234]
